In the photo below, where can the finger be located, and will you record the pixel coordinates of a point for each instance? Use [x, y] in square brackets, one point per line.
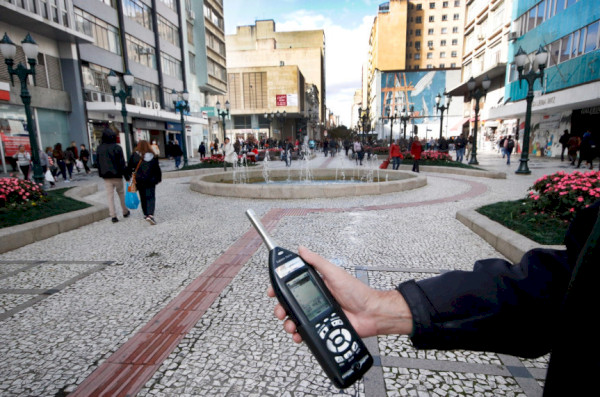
[327, 269]
[297, 338]
[280, 312]
[289, 327]
[271, 292]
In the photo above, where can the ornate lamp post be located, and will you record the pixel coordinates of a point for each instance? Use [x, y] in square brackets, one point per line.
[442, 108]
[222, 114]
[541, 57]
[405, 116]
[392, 118]
[477, 94]
[280, 117]
[182, 105]
[30, 48]
[363, 115]
[123, 94]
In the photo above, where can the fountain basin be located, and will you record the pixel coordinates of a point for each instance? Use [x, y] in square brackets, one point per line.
[220, 184]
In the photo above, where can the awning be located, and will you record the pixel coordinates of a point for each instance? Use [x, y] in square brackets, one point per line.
[458, 126]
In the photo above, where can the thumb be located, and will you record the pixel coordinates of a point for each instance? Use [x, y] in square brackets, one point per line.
[328, 270]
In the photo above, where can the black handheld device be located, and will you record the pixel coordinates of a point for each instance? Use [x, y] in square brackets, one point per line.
[319, 318]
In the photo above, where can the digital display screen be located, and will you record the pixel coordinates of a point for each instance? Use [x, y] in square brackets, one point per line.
[308, 295]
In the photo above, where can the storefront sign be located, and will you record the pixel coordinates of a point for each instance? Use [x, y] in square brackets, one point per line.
[286, 100]
[173, 126]
[12, 143]
[281, 100]
[208, 111]
[148, 124]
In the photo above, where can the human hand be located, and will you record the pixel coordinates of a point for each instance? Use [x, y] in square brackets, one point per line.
[370, 311]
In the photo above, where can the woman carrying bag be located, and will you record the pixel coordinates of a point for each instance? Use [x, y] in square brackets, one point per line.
[146, 174]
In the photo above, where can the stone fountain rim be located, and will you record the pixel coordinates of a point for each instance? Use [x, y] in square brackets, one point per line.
[212, 184]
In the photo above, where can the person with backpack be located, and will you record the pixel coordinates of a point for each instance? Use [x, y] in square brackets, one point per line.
[509, 145]
[564, 141]
[143, 166]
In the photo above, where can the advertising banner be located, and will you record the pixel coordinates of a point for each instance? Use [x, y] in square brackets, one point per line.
[11, 144]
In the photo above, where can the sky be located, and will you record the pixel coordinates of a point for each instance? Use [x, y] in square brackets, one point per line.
[347, 25]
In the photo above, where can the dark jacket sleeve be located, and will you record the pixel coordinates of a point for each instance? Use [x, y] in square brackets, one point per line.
[496, 307]
[499, 307]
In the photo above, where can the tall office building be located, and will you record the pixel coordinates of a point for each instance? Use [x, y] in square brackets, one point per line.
[167, 45]
[412, 42]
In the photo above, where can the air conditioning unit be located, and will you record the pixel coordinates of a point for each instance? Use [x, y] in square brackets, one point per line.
[512, 36]
[191, 14]
[480, 37]
[148, 104]
[138, 102]
[156, 105]
[109, 98]
[96, 97]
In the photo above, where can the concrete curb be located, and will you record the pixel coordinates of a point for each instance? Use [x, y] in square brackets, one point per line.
[457, 171]
[509, 243]
[21, 235]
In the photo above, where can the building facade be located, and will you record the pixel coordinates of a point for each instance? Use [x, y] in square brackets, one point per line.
[409, 36]
[169, 46]
[56, 92]
[569, 95]
[485, 55]
[270, 73]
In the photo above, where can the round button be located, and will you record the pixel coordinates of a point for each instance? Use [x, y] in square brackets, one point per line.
[346, 334]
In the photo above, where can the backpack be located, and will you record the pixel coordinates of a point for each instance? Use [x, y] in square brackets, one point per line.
[510, 144]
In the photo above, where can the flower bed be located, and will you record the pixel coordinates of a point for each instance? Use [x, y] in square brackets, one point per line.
[20, 194]
[562, 194]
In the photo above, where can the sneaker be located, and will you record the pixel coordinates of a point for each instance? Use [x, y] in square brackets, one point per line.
[115, 220]
[151, 220]
[67, 181]
[127, 214]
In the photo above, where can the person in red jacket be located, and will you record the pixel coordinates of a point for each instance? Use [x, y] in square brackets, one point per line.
[415, 150]
[395, 155]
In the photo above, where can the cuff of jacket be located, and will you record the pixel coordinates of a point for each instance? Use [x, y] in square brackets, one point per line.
[421, 309]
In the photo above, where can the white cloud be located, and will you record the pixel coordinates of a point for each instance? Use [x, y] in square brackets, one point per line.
[346, 49]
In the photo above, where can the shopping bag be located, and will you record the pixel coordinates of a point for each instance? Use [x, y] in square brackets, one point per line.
[385, 164]
[48, 176]
[78, 164]
[131, 199]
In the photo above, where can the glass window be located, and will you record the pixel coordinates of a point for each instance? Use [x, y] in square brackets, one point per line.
[456, 17]
[432, 5]
[541, 12]
[571, 2]
[592, 37]
[431, 18]
[445, 4]
[442, 65]
[454, 54]
[141, 52]
[168, 31]
[532, 18]
[431, 31]
[454, 41]
[442, 54]
[574, 43]
[170, 65]
[417, 57]
[105, 36]
[581, 45]
[139, 12]
[554, 53]
[565, 48]
[442, 42]
[457, 3]
[430, 43]
[455, 29]
[170, 3]
[444, 17]
[560, 5]
[418, 32]
[418, 20]
[419, 7]
[444, 30]
[192, 62]
[429, 55]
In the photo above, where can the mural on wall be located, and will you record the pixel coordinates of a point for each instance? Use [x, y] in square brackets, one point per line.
[401, 90]
[545, 133]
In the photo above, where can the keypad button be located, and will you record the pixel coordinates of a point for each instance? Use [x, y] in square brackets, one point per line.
[348, 355]
[343, 347]
[337, 322]
[331, 347]
[346, 334]
[354, 346]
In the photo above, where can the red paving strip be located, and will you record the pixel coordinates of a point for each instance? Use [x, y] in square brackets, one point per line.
[126, 371]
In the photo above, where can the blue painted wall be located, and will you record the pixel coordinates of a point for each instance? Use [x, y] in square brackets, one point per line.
[580, 70]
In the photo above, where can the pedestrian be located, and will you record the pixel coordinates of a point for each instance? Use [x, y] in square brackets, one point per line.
[459, 145]
[70, 159]
[509, 145]
[574, 142]
[155, 149]
[587, 150]
[59, 156]
[497, 307]
[325, 146]
[202, 151]
[564, 141]
[45, 164]
[469, 147]
[73, 148]
[442, 145]
[359, 151]
[415, 150]
[112, 168]
[176, 152]
[84, 156]
[143, 164]
[23, 159]
[395, 155]
[229, 155]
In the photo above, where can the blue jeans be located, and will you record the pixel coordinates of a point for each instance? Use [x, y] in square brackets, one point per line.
[177, 161]
[395, 163]
[460, 154]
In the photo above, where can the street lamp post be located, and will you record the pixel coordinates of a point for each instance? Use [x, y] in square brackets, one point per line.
[477, 94]
[222, 114]
[541, 57]
[30, 48]
[363, 115]
[442, 108]
[405, 116]
[182, 105]
[280, 117]
[123, 94]
[392, 118]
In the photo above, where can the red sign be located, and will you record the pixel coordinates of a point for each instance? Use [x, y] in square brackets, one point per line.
[11, 144]
[4, 92]
[281, 100]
